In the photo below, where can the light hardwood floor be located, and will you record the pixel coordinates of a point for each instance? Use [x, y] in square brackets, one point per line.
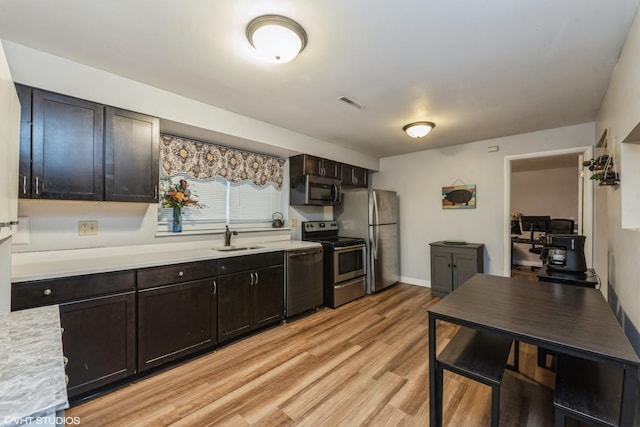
[362, 364]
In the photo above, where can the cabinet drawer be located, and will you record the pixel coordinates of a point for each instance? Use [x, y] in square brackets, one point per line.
[176, 273]
[56, 291]
[249, 262]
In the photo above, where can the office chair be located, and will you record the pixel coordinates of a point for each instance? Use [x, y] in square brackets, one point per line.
[556, 226]
[561, 226]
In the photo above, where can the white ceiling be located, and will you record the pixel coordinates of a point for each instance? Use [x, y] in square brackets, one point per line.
[479, 69]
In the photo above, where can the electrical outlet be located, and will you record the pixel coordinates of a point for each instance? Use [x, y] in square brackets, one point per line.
[87, 228]
[294, 222]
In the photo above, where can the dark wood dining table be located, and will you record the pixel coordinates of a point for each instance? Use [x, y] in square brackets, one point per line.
[566, 319]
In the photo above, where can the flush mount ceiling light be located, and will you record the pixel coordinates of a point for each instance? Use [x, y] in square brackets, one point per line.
[276, 38]
[418, 129]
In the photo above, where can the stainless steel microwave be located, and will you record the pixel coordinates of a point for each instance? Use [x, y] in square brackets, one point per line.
[315, 190]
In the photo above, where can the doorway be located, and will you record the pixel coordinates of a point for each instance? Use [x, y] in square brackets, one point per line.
[544, 188]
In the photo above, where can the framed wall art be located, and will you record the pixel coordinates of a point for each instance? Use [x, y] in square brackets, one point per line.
[459, 197]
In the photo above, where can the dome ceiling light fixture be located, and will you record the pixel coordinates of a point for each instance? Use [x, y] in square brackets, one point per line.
[418, 129]
[276, 38]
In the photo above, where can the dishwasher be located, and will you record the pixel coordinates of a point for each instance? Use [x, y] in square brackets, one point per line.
[304, 281]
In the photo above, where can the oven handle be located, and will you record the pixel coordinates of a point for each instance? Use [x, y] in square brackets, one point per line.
[348, 248]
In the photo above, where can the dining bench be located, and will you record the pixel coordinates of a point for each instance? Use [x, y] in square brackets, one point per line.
[480, 356]
[587, 391]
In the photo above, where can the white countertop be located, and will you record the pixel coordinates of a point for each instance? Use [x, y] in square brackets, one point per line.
[29, 266]
[32, 378]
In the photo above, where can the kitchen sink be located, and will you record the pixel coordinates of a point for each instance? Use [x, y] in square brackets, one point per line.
[236, 248]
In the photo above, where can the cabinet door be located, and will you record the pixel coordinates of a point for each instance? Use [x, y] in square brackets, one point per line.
[98, 340]
[268, 296]
[24, 166]
[353, 176]
[235, 305]
[312, 166]
[330, 169]
[441, 279]
[66, 147]
[347, 172]
[132, 149]
[175, 320]
[360, 176]
[464, 266]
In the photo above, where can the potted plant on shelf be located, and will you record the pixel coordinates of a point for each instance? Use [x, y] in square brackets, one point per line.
[602, 166]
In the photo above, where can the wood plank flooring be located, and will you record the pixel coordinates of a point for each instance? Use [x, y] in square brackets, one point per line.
[362, 364]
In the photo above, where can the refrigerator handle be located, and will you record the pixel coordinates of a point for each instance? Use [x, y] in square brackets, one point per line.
[373, 238]
[374, 212]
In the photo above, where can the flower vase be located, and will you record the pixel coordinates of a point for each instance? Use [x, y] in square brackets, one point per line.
[177, 219]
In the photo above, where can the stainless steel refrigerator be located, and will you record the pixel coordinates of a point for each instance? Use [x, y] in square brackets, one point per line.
[373, 215]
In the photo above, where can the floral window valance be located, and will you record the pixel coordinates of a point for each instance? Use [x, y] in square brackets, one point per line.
[202, 160]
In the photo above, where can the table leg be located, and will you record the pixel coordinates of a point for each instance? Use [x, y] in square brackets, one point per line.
[628, 395]
[435, 397]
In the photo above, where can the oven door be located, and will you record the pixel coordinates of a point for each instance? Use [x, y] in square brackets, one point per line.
[349, 262]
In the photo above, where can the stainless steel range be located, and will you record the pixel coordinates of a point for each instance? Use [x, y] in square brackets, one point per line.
[344, 262]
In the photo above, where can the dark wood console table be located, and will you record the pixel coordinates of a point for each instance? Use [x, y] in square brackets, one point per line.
[503, 305]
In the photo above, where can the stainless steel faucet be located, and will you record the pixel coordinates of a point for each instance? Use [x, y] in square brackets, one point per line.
[227, 236]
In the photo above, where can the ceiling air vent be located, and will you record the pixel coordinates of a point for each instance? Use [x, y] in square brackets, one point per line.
[350, 102]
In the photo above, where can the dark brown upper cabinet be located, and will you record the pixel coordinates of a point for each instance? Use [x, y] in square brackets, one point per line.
[66, 148]
[304, 164]
[131, 156]
[354, 176]
[73, 149]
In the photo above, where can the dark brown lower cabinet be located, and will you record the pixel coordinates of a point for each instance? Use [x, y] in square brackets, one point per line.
[176, 320]
[99, 341]
[249, 300]
[235, 305]
[269, 296]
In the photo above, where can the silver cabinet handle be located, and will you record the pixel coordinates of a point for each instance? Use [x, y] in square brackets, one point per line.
[24, 184]
[37, 186]
[251, 275]
[257, 278]
[61, 331]
[65, 360]
[181, 273]
[47, 292]
[215, 287]
[155, 192]
[66, 380]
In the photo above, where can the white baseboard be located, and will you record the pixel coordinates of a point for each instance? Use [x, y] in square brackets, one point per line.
[414, 281]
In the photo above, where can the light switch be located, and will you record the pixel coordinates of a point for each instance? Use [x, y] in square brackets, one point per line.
[87, 228]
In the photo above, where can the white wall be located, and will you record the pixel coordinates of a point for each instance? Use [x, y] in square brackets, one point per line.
[9, 110]
[419, 177]
[620, 113]
[53, 224]
[45, 71]
[552, 192]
